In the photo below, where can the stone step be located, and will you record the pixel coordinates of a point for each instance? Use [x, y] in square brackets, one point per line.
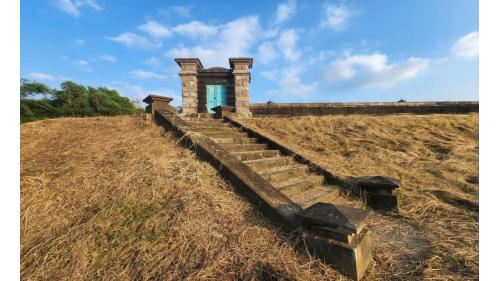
[264, 163]
[198, 116]
[315, 194]
[225, 134]
[234, 140]
[202, 120]
[257, 154]
[234, 147]
[207, 126]
[299, 184]
[283, 173]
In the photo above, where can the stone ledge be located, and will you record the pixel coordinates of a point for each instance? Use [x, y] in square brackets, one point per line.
[375, 108]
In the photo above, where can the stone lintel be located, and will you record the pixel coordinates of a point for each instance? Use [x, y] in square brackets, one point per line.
[242, 60]
[154, 98]
[195, 61]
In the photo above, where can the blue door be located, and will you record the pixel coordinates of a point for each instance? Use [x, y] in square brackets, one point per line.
[216, 95]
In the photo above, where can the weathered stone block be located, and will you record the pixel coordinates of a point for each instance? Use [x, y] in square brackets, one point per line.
[351, 259]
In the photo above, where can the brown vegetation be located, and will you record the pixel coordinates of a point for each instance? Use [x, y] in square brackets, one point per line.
[436, 235]
[114, 199]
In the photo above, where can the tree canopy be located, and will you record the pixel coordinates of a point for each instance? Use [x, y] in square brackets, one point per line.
[71, 100]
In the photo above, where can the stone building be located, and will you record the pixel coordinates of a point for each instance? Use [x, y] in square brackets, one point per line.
[204, 89]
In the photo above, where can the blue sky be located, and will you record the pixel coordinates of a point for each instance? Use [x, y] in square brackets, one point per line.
[304, 51]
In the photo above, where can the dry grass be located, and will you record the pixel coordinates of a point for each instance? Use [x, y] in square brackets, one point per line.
[114, 199]
[436, 235]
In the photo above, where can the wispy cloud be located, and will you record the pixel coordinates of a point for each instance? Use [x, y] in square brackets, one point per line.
[154, 62]
[290, 83]
[108, 58]
[72, 7]
[155, 29]
[137, 93]
[336, 16]
[285, 11]
[267, 53]
[467, 46]
[373, 70]
[79, 42]
[83, 65]
[133, 40]
[183, 11]
[141, 74]
[40, 76]
[287, 44]
[196, 29]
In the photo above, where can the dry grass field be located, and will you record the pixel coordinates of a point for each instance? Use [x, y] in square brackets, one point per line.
[436, 157]
[112, 198]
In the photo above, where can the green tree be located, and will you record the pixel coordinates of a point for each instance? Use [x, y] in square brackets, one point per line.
[33, 88]
[71, 100]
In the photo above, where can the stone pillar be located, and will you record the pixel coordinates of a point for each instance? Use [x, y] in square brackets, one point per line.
[241, 71]
[189, 78]
[157, 103]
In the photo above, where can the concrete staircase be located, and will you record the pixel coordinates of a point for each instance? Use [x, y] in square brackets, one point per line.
[293, 179]
[292, 191]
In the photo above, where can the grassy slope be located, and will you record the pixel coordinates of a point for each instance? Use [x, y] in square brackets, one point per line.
[111, 198]
[436, 158]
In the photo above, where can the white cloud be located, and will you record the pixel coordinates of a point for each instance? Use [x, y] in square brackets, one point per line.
[290, 83]
[108, 58]
[196, 29]
[266, 53]
[467, 46]
[72, 7]
[131, 40]
[285, 11]
[233, 39]
[269, 74]
[335, 16]
[182, 11]
[141, 74]
[374, 69]
[153, 62]
[39, 76]
[138, 93]
[179, 11]
[83, 65]
[155, 29]
[287, 44]
[79, 42]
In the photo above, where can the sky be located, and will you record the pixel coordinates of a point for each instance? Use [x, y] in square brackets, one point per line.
[304, 51]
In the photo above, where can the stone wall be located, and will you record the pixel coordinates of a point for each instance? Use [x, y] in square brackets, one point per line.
[376, 108]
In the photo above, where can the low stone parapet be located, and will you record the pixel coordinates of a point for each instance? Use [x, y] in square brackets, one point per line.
[374, 108]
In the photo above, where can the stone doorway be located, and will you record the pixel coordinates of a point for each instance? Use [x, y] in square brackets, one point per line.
[216, 95]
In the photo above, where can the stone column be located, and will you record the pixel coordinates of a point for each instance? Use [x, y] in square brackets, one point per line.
[241, 71]
[189, 78]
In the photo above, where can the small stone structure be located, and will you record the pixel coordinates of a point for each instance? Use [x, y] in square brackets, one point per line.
[196, 80]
